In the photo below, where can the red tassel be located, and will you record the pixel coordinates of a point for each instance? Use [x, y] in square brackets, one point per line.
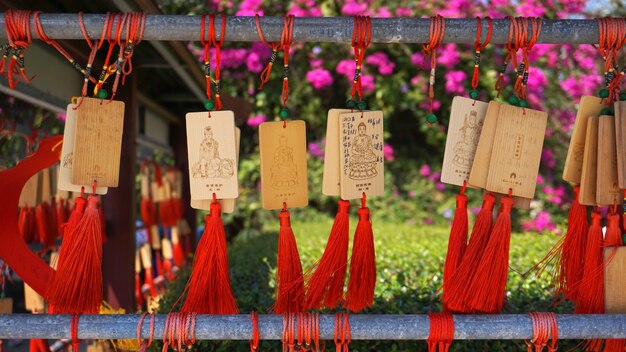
[457, 244]
[43, 226]
[77, 285]
[457, 295]
[77, 213]
[362, 279]
[39, 345]
[590, 299]
[103, 224]
[147, 212]
[179, 255]
[138, 294]
[613, 236]
[573, 252]
[487, 288]
[25, 223]
[615, 346]
[325, 286]
[208, 288]
[61, 216]
[289, 277]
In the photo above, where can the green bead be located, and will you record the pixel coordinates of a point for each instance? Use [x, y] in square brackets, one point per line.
[351, 104]
[431, 118]
[605, 111]
[361, 105]
[622, 96]
[209, 105]
[513, 100]
[624, 238]
[103, 94]
[523, 103]
[284, 113]
[474, 94]
[604, 93]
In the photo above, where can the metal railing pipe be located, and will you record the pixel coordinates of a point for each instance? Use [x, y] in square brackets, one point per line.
[363, 327]
[318, 29]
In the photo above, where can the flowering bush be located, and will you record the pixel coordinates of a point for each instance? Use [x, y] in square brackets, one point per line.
[395, 80]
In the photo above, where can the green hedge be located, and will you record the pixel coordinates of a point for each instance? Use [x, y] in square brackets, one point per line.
[409, 263]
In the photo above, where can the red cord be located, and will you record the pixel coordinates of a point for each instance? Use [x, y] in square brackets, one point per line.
[441, 332]
[74, 331]
[206, 43]
[511, 47]
[342, 335]
[478, 47]
[535, 25]
[254, 342]
[286, 41]
[361, 39]
[94, 49]
[545, 328]
[218, 56]
[437, 33]
[265, 74]
[17, 24]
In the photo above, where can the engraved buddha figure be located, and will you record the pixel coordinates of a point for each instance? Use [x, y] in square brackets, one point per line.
[210, 165]
[465, 147]
[362, 161]
[284, 173]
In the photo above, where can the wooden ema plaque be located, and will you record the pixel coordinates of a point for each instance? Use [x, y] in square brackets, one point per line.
[620, 133]
[614, 280]
[362, 162]
[212, 155]
[98, 143]
[227, 205]
[29, 192]
[6, 305]
[464, 128]
[589, 106]
[587, 195]
[482, 156]
[607, 188]
[283, 164]
[517, 151]
[32, 301]
[64, 180]
[331, 183]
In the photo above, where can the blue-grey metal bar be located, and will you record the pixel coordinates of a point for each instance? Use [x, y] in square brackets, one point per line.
[363, 327]
[319, 29]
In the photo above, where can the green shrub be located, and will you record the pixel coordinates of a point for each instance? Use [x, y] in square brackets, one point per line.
[409, 262]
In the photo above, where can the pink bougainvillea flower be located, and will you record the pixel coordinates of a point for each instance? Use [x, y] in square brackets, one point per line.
[425, 170]
[316, 150]
[455, 82]
[368, 84]
[254, 121]
[388, 152]
[319, 78]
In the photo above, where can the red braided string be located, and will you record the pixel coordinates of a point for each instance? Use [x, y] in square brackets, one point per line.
[254, 342]
[478, 47]
[437, 33]
[74, 331]
[17, 24]
[361, 39]
[265, 74]
[134, 35]
[522, 75]
[218, 56]
[94, 48]
[511, 47]
[206, 43]
[286, 40]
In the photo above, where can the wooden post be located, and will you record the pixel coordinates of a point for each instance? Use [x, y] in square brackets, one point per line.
[118, 261]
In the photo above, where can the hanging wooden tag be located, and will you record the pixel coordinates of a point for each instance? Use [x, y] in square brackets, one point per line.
[614, 281]
[517, 151]
[45, 193]
[589, 106]
[212, 155]
[32, 301]
[331, 181]
[54, 259]
[227, 205]
[98, 143]
[166, 246]
[6, 305]
[29, 192]
[518, 202]
[620, 133]
[64, 180]
[607, 188]
[146, 257]
[466, 123]
[587, 195]
[482, 157]
[361, 154]
[283, 164]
